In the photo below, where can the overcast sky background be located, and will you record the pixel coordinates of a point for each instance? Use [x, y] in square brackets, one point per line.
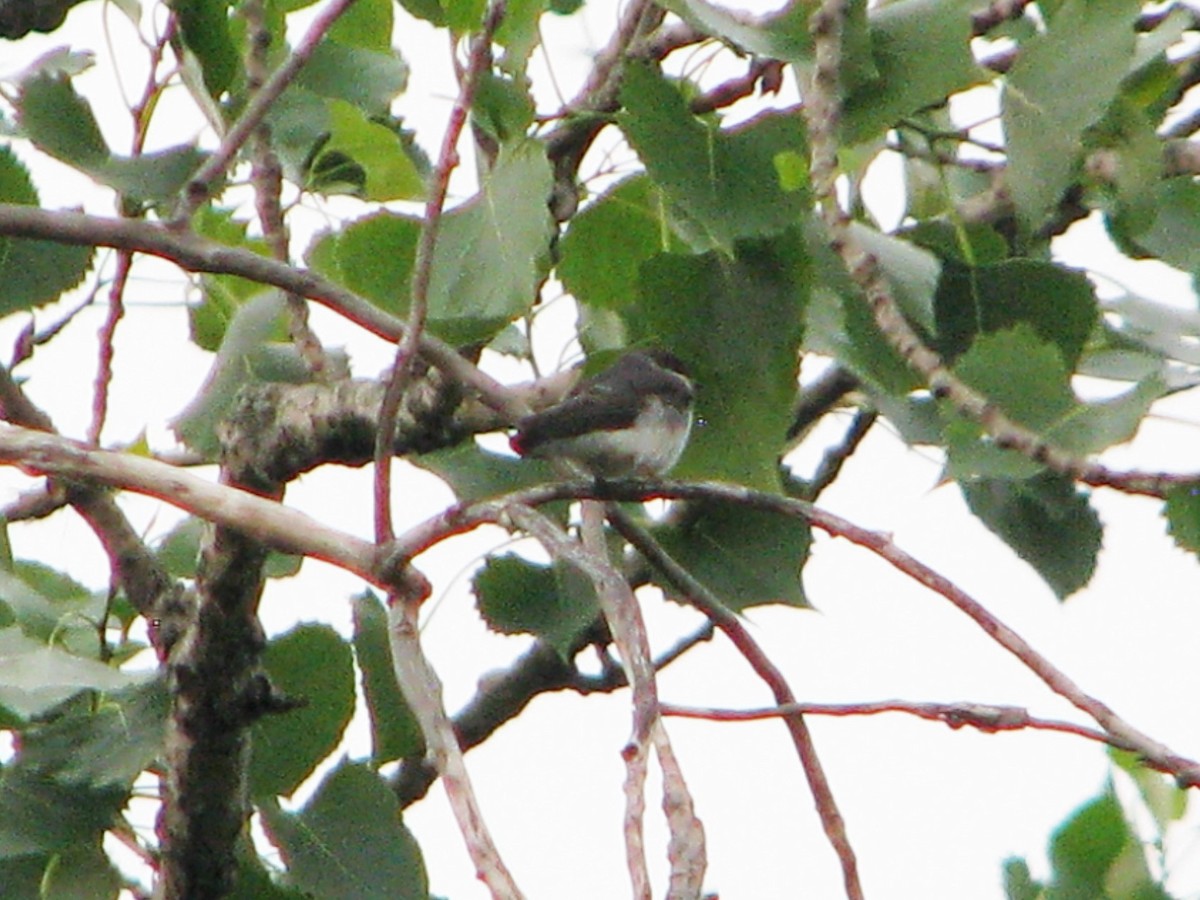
[931, 812]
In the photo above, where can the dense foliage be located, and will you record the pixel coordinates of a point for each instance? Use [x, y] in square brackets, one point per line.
[709, 190]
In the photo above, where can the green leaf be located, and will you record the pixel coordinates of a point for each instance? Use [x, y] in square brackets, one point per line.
[1058, 304]
[477, 474]
[366, 24]
[737, 323]
[839, 323]
[1026, 379]
[1045, 521]
[974, 244]
[99, 745]
[204, 27]
[1093, 427]
[257, 881]
[723, 184]
[746, 557]
[464, 16]
[432, 11]
[1085, 848]
[779, 35]
[40, 815]
[1021, 374]
[80, 873]
[367, 79]
[153, 177]
[518, 33]
[36, 677]
[395, 733]
[60, 122]
[516, 596]
[1166, 800]
[1173, 234]
[313, 663]
[1128, 186]
[248, 354]
[1019, 883]
[363, 158]
[222, 295]
[1182, 512]
[34, 273]
[1044, 124]
[921, 50]
[503, 107]
[608, 241]
[489, 258]
[349, 841]
[52, 608]
[911, 271]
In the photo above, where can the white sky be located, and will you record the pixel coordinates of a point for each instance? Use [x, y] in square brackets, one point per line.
[931, 812]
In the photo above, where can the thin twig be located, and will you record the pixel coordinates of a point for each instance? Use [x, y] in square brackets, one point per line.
[686, 852]
[406, 352]
[106, 351]
[463, 518]
[140, 113]
[836, 456]
[984, 717]
[199, 186]
[704, 600]
[266, 177]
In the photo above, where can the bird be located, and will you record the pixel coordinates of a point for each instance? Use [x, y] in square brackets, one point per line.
[631, 420]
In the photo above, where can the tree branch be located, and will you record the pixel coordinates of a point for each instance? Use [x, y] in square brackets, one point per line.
[465, 517]
[697, 594]
[822, 112]
[406, 352]
[193, 253]
[984, 717]
[199, 186]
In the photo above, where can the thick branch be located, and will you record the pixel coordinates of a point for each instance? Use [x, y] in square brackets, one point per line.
[272, 523]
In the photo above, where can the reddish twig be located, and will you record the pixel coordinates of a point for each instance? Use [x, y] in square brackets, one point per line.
[465, 517]
[106, 351]
[266, 177]
[199, 186]
[140, 113]
[705, 601]
[423, 693]
[193, 253]
[406, 352]
[980, 716]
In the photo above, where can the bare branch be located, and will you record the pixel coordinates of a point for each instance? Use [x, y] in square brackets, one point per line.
[193, 253]
[624, 619]
[277, 526]
[705, 601]
[462, 518]
[984, 717]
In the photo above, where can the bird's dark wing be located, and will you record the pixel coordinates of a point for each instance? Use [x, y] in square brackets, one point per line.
[595, 405]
